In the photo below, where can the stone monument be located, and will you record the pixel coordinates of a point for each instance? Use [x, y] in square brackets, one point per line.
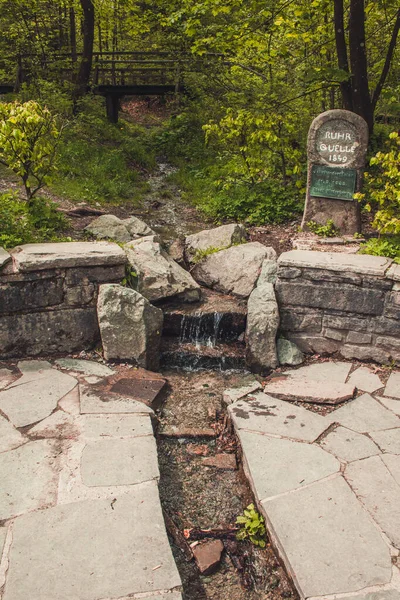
[337, 146]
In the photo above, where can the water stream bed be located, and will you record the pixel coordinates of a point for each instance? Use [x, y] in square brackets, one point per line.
[192, 428]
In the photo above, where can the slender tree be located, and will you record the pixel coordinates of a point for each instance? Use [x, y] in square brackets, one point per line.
[82, 81]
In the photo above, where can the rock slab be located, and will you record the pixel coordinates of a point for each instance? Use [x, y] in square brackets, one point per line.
[261, 329]
[130, 326]
[218, 238]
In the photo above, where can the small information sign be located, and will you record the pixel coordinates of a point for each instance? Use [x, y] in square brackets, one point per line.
[333, 182]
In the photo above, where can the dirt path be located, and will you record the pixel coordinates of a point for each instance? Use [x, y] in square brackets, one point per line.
[196, 496]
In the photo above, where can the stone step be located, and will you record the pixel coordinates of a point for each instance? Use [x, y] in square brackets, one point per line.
[217, 318]
[175, 354]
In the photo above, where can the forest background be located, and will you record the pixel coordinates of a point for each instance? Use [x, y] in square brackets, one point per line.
[256, 74]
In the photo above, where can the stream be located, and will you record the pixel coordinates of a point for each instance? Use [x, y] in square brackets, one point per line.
[193, 427]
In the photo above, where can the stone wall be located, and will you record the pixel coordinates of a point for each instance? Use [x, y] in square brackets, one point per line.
[48, 295]
[340, 303]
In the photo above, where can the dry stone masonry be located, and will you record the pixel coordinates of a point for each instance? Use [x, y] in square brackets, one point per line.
[339, 303]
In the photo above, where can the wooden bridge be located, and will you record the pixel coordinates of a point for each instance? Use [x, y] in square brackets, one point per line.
[113, 75]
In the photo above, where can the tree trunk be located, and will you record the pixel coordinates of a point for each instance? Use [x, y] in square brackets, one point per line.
[362, 104]
[341, 50]
[388, 61]
[82, 82]
[72, 33]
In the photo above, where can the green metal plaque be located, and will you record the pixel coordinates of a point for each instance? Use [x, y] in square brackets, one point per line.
[333, 182]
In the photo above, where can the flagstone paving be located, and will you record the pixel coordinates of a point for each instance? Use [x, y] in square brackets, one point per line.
[328, 486]
[80, 513]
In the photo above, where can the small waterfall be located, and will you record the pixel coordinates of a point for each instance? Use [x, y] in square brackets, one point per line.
[201, 329]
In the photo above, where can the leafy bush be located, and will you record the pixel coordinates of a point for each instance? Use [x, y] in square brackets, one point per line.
[382, 188]
[383, 246]
[252, 526]
[28, 140]
[21, 223]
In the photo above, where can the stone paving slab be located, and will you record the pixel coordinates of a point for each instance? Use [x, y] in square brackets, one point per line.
[308, 390]
[392, 388]
[392, 463]
[333, 261]
[376, 488]
[6, 377]
[364, 414]
[10, 437]
[388, 441]
[87, 367]
[59, 425]
[28, 478]
[115, 426]
[391, 404]
[348, 445]
[323, 372]
[365, 380]
[36, 400]
[92, 550]
[276, 466]
[329, 541]
[265, 414]
[119, 462]
[93, 402]
[3, 535]
[4, 257]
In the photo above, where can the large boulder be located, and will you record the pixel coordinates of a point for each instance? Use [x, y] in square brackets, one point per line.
[220, 237]
[120, 230]
[261, 330]
[130, 326]
[235, 270]
[159, 276]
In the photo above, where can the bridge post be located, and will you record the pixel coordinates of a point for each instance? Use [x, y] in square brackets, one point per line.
[112, 107]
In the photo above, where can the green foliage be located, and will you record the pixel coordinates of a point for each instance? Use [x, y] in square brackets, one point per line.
[131, 278]
[252, 526]
[383, 246]
[28, 140]
[23, 223]
[101, 162]
[199, 255]
[382, 188]
[328, 230]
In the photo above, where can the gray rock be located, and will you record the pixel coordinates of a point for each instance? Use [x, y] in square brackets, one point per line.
[374, 325]
[300, 319]
[136, 227]
[263, 414]
[52, 332]
[159, 276]
[268, 273]
[365, 353]
[392, 388]
[277, 466]
[328, 542]
[391, 404]
[95, 402]
[220, 237]
[313, 344]
[348, 445]
[375, 487]
[394, 272]
[36, 257]
[234, 270]
[262, 326]
[112, 548]
[288, 353]
[388, 441]
[364, 414]
[336, 261]
[356, 337]
[87, 367]
[115, 426]
[364, 379]
[119, 462]
[331, 296]
[29, 295]
[109, 227]
[4, 257]
[10, 437]
[130, 326]
[36, 400]
[28, 478]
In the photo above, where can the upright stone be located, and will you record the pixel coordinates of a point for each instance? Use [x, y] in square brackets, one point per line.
[337, 145]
